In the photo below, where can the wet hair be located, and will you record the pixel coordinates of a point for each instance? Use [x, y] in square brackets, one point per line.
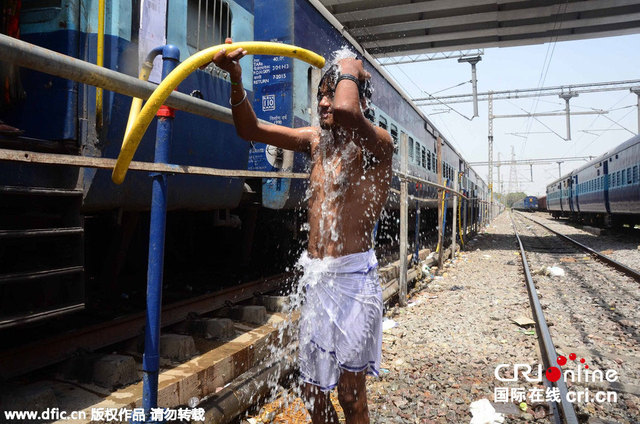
[330, 78]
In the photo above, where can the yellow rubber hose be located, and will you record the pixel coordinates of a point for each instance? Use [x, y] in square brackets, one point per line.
[140, 125]
[136, 103]
[444, 211]
[460, 221]
[100, 58]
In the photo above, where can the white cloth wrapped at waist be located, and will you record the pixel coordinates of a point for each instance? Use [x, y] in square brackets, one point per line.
[341, 319]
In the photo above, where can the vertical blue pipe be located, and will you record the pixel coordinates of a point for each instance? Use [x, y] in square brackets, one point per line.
[150, 359]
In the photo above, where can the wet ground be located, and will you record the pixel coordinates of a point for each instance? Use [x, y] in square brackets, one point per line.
[441, 353]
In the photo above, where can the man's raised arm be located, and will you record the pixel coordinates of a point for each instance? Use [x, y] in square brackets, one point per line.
[347, 110]
[247, 124]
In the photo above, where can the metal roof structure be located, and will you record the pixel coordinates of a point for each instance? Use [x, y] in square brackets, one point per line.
[389, 28]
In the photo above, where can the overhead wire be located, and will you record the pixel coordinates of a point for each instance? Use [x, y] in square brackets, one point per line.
[547, 64]
[451, 138]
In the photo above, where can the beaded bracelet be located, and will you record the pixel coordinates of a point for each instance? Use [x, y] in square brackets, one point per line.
[241, 101]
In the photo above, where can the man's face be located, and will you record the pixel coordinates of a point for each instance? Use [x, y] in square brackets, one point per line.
[325, 105]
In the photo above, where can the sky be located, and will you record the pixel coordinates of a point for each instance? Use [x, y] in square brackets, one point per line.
[541, 65]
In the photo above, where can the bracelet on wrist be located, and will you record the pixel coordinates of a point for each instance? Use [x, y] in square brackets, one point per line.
[240, 102]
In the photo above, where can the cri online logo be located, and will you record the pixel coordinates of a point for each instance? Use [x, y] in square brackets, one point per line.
[554, 373]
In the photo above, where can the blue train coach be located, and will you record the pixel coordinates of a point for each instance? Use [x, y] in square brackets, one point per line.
[528, 204]
[605, 191]
[73, 228]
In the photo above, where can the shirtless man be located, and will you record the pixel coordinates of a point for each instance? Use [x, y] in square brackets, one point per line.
[340, 324]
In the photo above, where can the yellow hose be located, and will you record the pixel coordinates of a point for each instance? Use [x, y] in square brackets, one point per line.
[460, 221]
[140, 125]
[100, 59]
[444, 211]
[136, 103]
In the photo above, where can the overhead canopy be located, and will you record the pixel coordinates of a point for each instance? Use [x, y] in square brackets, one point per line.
[407, 27]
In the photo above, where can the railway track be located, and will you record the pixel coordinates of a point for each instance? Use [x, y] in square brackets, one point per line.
[585, 310]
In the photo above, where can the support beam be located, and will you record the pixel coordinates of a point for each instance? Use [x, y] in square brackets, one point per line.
[567, 97]
[636, 91]
[454, 215]
[404, 225]
[442, 209]
[491, 117]
[473, 61]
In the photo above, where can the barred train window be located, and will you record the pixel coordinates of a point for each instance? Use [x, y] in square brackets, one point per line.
[429, 160]
[410, 149]
[394, 136]
[382, 123]
[208, 23]
[423, 157]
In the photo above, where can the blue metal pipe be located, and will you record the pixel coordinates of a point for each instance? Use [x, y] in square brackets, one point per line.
[150, 359]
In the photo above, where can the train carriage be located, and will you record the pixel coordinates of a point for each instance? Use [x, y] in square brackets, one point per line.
[209, 216]
[606, 190]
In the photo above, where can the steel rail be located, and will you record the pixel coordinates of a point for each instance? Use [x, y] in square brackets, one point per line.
[609, 261]
[547, 348]
[29, 357]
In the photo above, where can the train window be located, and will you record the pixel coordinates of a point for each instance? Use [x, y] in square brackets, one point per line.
[370, 114]
[428, 160]
[417, 153]
[394, 136]
[629, 176]
[434, 164]
[423, 157]
[410, 149]
[382, 123]
[635, 174]
[624, 177]
[207, 26]
[618, 180]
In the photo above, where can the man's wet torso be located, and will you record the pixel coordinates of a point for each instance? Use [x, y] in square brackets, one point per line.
[345, 197]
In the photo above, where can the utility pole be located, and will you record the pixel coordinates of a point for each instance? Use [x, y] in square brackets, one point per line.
[499, 183]
[513, 174]
[636, 91]
[474, 82]
[490, 104]
[567, 97]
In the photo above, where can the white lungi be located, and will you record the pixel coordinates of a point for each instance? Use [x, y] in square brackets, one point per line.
[341, 319]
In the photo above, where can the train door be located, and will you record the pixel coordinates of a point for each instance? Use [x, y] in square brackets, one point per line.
[576, 191]
[605, 171]
[570, 193]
